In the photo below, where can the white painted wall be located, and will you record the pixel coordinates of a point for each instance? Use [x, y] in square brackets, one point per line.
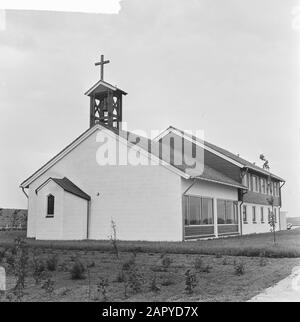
[259, 227]
[144, 201]
[75, 217]
[49, 228]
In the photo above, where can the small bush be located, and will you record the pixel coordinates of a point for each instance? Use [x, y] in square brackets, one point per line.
[153, 285]
[166, 262]
[38, 269]
[48, 286]
[168, 280]
[51, 263]
[200, 266]
[218, 255]
[239, 268]
[120, 277]
[225, 261]
[128, 264]
[262, 260]
[190, 281]
[77, 271]
[102, 285]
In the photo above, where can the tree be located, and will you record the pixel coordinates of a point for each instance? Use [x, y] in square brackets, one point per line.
[270, 200]
[272, 218]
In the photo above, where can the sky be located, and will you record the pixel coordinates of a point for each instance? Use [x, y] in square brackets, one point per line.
[229, 68]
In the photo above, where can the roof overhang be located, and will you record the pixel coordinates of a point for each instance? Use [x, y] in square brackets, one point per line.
[102, 85]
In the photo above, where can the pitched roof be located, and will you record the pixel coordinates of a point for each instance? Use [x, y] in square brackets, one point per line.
[199, 171]
[68, 186]
[230, 155]
[102, 86]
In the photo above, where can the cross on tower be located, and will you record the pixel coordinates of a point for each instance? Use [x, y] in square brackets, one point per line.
[102, 63]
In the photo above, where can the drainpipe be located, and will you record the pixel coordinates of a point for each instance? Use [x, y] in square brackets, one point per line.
[184, 193]
[243, 193]
[280, 187]
[88, 219]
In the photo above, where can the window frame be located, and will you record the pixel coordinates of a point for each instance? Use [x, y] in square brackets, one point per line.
[254, 215]
[187, 210]
[50, 208]
[262, 215]
[245, 215]
[234, 209]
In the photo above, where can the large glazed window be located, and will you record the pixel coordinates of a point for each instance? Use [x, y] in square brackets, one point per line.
[227, 212]
[198, 211]
[50, 206]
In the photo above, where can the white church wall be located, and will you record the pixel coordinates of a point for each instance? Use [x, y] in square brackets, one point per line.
[75, 217]
[144, 201]
[49, 228]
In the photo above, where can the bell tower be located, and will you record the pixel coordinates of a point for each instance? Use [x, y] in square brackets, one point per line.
[105, 101]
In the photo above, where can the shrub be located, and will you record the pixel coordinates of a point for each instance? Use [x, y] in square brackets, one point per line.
[168, 280]
[77, 271]
[133, 279]
[190, 281]
[2, 255]
[51, 263]
[128, 264]
[218, 255]
[38, 269]
[262, 259]
[166, 261]
[120, 277]
[225, 261]
[48, 286]
[153, 285]
[239, 268]
[102, 285]
[200, 266]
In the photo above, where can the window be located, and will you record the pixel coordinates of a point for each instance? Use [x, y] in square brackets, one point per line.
[250, 182]
[262, 219]
[195, 204]
[50, 206]
[256, 183]
[253, 214]
[245, 214]
[198, 211]
[207, 211]
[227, 212]
[263, 185]
[260, 185]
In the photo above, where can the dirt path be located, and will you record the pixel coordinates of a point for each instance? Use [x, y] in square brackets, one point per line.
[287, 290]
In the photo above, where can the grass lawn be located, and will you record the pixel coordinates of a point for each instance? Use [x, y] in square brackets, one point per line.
[288, 245]
[218, 283]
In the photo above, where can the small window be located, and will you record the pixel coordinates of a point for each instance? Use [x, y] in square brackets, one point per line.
[50, 206]
[262, 219]
[245, 214]
[250, 182]
[254, 214]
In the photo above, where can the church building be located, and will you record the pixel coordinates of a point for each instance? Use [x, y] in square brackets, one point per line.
[175, 187]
